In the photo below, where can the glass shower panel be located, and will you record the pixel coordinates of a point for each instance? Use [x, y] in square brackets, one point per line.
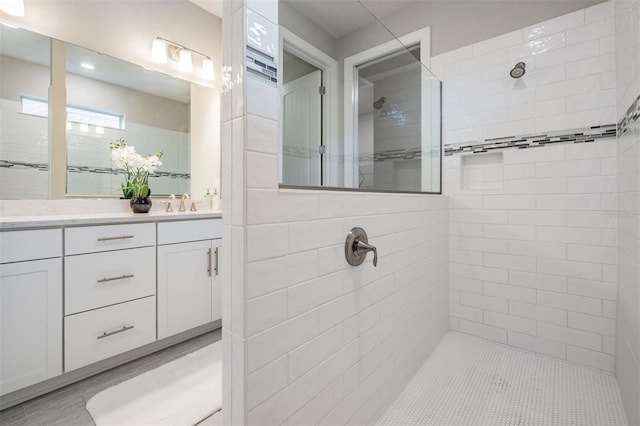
[398, 124]
[370, 118]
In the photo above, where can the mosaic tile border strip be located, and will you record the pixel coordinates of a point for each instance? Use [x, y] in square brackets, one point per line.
[585, 135]
[630, 118]
[390, 154]
[86, 169]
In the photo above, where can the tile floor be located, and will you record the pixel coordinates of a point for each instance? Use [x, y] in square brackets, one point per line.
[66, 406]
[471, 381]
[466, 381]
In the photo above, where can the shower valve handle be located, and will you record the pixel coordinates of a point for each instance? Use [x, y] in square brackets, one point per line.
[362, 248]
[357, 246]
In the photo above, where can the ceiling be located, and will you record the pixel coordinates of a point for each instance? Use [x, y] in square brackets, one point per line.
[214, 7]
[342, 17]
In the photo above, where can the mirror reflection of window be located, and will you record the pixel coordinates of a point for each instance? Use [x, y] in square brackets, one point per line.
[155, 108]
[24, 151]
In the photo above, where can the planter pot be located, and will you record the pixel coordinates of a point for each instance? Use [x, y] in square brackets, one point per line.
[140, 204]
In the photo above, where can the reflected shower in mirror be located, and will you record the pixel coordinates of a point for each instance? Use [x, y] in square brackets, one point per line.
[359, 108]
[24, 152]
[109, 99]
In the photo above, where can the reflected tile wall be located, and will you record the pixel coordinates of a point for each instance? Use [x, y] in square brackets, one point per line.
[23, 139]
[89, 150]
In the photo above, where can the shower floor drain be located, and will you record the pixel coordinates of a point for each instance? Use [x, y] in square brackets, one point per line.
[472, 381]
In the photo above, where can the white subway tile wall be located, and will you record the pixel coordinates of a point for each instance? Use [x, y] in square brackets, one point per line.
[340, 333]
[569, 81]
[527, 259]
[533, 240]
[310, 339]
[627, 344]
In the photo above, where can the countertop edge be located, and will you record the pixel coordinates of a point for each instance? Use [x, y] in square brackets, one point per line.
[14, 223]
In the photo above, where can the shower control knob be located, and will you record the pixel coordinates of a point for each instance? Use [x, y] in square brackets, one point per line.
[357, 246]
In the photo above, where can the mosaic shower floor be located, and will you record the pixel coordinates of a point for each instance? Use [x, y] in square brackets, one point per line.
[472, 381]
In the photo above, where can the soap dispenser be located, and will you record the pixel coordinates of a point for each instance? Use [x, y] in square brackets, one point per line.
[209, 197]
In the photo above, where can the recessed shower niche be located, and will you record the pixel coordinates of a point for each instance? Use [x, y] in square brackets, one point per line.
[482, 171]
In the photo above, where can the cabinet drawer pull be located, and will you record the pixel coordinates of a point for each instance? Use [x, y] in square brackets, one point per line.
[111, 333]
[209, 262]
[217, 261]
[106, 280]
[124, 237]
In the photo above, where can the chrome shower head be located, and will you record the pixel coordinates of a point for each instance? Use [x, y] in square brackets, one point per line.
[378, 104]
[518, 71]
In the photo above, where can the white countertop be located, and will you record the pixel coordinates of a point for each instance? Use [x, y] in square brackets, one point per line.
[46, 221]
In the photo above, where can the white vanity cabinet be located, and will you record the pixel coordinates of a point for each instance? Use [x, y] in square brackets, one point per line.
[110, 287]
[30, 307]
[82, 295]
[188, 275]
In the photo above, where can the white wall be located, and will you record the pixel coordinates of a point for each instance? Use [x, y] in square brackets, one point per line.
[310, 339]
[533, 231]
[628, 322]
[569, 81]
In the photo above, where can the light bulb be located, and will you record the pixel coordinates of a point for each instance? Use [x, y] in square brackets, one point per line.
[207, 68]
[12, 7]
[186, 64]
[159, 51]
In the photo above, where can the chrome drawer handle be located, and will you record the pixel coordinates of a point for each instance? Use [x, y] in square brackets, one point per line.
[106, 280]
[124, 237]
[111, 333]
[209, 262]
[217, 261]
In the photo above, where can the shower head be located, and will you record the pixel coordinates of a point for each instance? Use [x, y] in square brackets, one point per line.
[518, 71]
[378, 104]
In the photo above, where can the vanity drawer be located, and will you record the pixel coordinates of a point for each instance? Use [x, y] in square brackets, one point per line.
[16, 246]
[189, 230]
[101, 279]
[91, 239]
[102, 333]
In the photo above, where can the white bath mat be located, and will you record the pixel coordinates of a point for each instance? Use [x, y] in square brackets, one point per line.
[182, 392]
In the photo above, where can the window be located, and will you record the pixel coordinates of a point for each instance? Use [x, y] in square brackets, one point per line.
[75, 113]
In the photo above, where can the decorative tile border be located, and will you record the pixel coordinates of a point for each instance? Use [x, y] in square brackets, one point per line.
[589, 134]
[631, 117]
[85, 169]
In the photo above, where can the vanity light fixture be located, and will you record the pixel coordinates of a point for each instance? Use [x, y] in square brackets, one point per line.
[207, 68]
[12, 7]
[161, 49]
[185, 61]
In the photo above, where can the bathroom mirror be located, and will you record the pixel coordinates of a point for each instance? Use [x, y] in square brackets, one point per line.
[151, 110]
[24, 152]
[359, 107]
[110, 99]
